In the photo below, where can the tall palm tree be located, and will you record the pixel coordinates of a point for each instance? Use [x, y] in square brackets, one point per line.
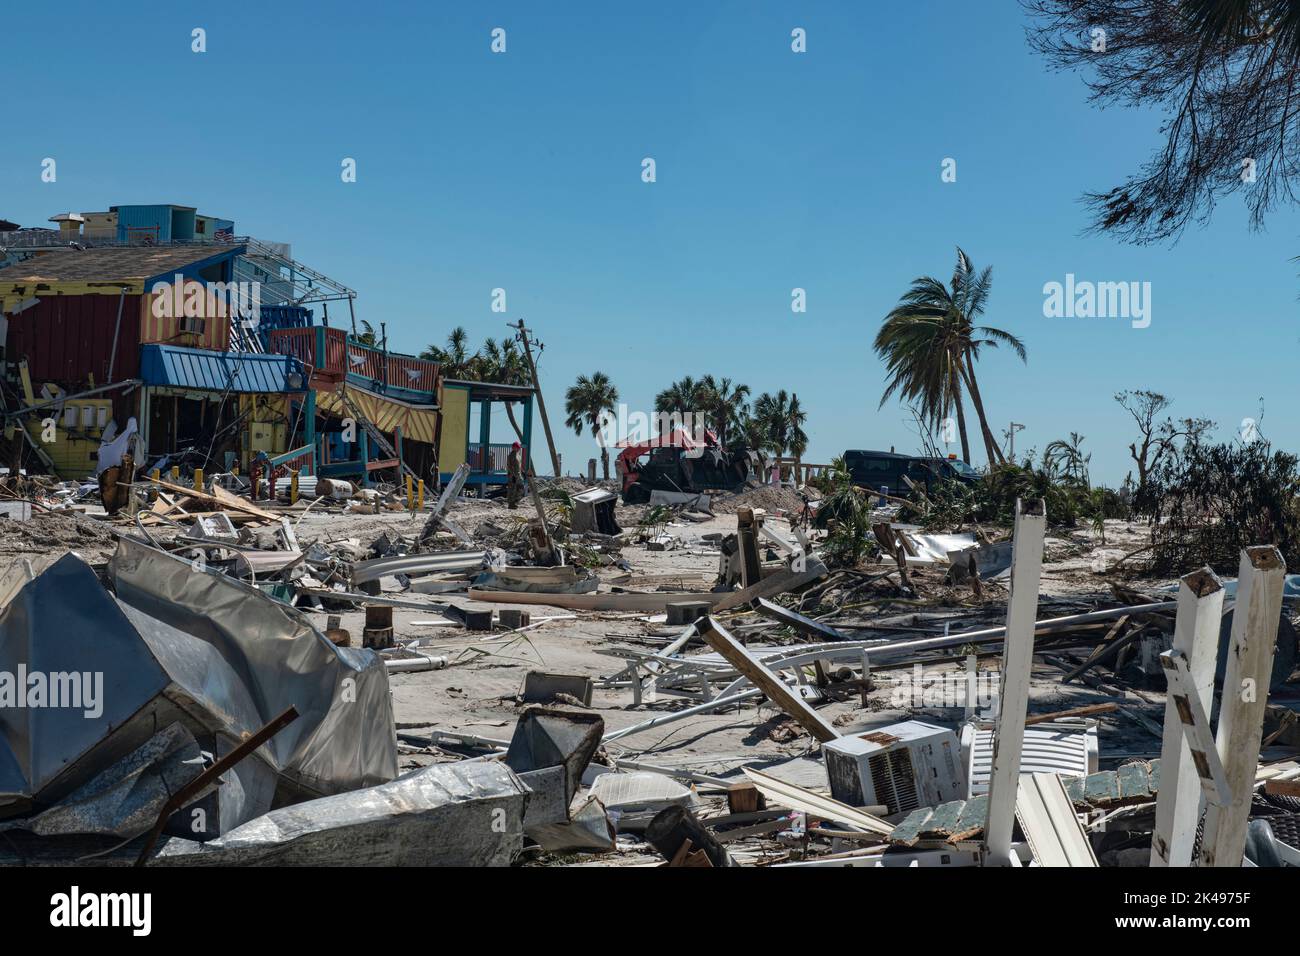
[725, 405]
[780, 421]
[456, 359]
[680, 397]
[501, 363]
[586, 402]
[930, 344]
[685, 397]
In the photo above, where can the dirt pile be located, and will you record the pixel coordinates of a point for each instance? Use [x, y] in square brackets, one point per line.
[55, 531]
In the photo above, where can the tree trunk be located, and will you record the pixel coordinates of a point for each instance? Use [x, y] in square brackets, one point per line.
[510, 414]
[990, 446]
[961, 427]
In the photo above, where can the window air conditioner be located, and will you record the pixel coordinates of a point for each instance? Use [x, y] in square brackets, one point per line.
[901, 767]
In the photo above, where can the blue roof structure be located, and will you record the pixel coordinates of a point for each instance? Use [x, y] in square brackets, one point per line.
[174, 366]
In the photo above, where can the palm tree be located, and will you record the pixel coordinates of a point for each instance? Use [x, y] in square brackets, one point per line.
[587, 401]
[502, 364]
[780, 421]
[455, 359]
[368, 336]
[1066, 459]
[930, 344]
[725, 406]
[683, 398]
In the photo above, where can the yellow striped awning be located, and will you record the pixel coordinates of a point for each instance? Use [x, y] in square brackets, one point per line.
[418, 422]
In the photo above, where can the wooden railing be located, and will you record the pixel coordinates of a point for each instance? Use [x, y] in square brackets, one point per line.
[798, 471]
[332, 356]
[494, 462]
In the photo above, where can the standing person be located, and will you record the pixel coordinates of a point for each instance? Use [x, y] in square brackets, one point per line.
[514, 475]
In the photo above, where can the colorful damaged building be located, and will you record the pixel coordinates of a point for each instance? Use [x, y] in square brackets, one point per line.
[158, 329]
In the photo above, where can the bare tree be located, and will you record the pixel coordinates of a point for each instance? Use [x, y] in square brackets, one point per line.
[1159, 438]
[1227, 75]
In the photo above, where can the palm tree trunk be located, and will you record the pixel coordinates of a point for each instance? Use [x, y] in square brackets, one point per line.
[510, 414]
[961, 426]
[990, 446]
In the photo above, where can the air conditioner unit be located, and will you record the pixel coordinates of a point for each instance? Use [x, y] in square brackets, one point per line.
[901, 767]
[1067, 747]
[192, 324]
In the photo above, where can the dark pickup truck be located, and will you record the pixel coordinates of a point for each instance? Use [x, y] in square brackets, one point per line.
[884, 471]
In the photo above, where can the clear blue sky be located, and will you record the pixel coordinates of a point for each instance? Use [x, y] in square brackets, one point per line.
[775, 170]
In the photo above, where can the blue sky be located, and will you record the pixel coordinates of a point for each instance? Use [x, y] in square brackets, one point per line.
[775, 170]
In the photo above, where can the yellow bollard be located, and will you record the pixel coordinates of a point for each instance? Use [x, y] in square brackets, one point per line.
[293, 488]
[155, 474]
[419, 496]
[198, 479]
[410, 494]
[176, 473]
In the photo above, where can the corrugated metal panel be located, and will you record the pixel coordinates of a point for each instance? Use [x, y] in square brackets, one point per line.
[136, 222]
[183, 225]
[177, 367]
[67, 338]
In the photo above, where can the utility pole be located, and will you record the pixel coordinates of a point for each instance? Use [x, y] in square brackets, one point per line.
[522, 334]
[1015, 427]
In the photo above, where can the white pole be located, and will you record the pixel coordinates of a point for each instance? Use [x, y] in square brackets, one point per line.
[1017, 662]
[1196, 635]
[1245, 696]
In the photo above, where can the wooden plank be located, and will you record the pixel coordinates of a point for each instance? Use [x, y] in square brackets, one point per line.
[219, 500]
[1196, 636]
[1017, 663]
[797, 621]
[1050, 825]
[1091, 710]
[771, 684]
[1105, 648]
[1260, 580]
[785, 794]
[1283, 788]
[656, 601]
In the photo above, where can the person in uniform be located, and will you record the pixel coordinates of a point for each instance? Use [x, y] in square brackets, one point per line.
[514, 475]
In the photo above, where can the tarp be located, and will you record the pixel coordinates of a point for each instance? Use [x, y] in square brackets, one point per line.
[111, 450]
[418, 422]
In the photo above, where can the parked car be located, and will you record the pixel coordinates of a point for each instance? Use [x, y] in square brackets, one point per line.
[885, 470]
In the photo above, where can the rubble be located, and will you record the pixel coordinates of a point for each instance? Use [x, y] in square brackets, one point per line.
[944, 701]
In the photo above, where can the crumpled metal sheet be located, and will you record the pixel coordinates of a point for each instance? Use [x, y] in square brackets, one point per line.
[58, 624]
[179, 644]
[457, 814]
[241, 655]
[935, 548]
[124, 801]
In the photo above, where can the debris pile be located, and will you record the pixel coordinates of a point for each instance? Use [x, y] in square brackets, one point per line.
[330, 675]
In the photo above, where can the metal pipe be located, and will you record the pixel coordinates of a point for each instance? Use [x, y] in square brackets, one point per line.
[117, 328]
[679, 714]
